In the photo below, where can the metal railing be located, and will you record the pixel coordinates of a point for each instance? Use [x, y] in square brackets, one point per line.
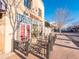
[43, 47]
[22, 46]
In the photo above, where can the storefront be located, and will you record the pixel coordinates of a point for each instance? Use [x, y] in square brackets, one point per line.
[28, 32]
[23, 33]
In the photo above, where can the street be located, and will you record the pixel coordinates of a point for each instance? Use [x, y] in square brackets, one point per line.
[73, 36]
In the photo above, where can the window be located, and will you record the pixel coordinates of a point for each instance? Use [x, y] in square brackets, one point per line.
[27, 3]
[39, 12]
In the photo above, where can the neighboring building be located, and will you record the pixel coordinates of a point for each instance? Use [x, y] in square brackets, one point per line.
[31, 15]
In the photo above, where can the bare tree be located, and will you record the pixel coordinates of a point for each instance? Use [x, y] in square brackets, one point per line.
[61, 17]
[12, 16]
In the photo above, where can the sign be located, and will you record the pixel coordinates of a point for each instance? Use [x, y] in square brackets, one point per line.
[23, 18]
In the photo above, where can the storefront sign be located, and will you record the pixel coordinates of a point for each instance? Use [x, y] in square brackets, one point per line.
[24, 18]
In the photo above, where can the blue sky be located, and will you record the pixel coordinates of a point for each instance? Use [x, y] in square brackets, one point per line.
[71, 5]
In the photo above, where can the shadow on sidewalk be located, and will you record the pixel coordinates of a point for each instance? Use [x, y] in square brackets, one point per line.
[63, 39]
[76, 43]
[21, 56]
[66, 46]
[59, 34]
[74, 35]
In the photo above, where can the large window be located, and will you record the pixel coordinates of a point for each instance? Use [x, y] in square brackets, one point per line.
[27, 3]
[34, 30]
[23, 32]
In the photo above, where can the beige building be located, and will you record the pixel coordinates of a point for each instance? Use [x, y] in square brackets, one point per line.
[30, 14]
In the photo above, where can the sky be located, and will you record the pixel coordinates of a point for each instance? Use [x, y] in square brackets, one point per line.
[71, 5]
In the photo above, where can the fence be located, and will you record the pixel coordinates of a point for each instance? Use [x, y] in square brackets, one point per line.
[41, 49]
[22, 48]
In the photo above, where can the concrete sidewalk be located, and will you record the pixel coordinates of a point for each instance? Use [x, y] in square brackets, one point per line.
[64, 48]
[15, 56]
[9, 56]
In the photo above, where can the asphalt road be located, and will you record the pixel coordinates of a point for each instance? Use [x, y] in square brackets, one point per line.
[74, 38]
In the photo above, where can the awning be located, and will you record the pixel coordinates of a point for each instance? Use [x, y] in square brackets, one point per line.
[3, 6]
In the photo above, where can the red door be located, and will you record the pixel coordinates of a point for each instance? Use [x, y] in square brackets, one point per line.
[28, 27]
[22, 32]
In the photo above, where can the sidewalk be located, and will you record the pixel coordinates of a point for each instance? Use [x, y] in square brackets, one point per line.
[64, 48]
[9, 56]
[15, 56]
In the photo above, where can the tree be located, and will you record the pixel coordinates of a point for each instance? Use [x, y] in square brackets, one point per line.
[12, 6]
[61, 17]
[47, 24]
